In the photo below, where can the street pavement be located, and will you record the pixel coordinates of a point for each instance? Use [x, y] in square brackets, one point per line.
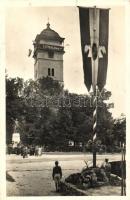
[33, 175]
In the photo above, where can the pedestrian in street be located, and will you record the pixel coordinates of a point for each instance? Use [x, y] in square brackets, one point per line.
[40, 151]
[25, 152]
[36, 151]
[32, 150]
[57, 175]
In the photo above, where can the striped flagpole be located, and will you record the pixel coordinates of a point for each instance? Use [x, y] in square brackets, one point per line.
[94, 126]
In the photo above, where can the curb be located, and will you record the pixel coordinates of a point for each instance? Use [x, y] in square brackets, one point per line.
[71, 190]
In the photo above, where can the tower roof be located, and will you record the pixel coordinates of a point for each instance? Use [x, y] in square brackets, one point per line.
[49, 34]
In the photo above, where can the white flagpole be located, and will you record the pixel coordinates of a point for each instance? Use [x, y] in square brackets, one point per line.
[95, 94]
[95, 125]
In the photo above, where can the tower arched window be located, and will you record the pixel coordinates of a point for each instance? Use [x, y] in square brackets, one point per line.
[53, 72]
[49, 72]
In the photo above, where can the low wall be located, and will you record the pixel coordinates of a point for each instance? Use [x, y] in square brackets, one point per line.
[71, 190]
[68, 189]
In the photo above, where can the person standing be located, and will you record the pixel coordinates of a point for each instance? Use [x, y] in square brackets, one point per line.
[25, 152]
[36, 151]
[107, 167]
[93, 179]
[40, 151]
[57, 175]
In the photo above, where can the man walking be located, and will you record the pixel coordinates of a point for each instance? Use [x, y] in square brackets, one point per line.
[57, 175]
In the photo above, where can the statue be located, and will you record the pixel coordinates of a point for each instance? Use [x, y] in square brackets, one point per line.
[16, 126]
[16, 134]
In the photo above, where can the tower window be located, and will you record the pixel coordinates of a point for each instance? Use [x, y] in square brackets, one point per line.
[40, 46]
[52, 71]
[50, 54]
[49, 73]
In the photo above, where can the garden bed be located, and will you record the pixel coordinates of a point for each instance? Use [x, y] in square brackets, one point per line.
[69, 189]
[91, 181]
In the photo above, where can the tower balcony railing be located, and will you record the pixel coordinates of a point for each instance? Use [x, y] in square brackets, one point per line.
[50, 47]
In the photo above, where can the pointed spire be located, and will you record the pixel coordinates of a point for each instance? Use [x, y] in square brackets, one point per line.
[48, 24]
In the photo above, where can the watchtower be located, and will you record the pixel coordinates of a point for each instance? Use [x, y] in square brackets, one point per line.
[48, 55]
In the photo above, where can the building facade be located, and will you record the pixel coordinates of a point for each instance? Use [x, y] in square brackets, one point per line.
[48, 55]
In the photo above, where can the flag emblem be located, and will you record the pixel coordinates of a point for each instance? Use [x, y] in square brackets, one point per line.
[94, 43]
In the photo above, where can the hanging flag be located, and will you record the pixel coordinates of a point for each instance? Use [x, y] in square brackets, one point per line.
[29, 52]
[94, 30]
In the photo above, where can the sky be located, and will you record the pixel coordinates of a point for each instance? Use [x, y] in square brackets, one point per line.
[24, 23]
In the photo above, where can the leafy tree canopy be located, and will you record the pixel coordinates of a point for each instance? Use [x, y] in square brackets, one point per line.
[51, 116]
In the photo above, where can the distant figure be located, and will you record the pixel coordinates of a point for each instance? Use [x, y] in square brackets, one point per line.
[57, 175]
[32, 150]
[36, 151]
[107, 167]
[40, 151]
[25, 152]
[103, 175]
[10, 149]
[93, 179]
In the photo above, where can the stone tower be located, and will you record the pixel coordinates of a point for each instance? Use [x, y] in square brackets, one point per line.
[48, 55]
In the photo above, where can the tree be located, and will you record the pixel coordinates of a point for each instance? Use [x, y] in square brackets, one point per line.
[105, 120]
[119, 130]
[39, 116]
[54, 125]
[14, 104]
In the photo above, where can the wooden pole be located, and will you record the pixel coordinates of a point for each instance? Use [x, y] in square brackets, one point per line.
[123, 192]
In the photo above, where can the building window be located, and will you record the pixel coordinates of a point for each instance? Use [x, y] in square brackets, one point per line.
[50, 54]
[49, 72]
[40, 46]
[52, 71]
